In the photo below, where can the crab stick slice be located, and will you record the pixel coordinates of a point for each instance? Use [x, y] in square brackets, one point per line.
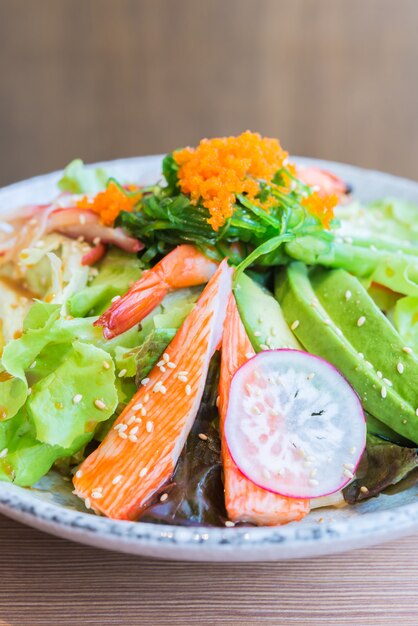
[139, 454]
[244, 500]
[184, 266]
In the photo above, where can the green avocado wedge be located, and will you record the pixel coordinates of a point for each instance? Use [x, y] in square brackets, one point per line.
[262, 317]
[339, 321]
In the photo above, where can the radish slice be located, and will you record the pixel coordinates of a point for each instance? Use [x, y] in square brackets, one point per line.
[294, 426]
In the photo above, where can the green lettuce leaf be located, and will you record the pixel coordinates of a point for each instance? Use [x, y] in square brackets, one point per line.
[24, 459]
[117, 272]
[77, 178]
[57, 419]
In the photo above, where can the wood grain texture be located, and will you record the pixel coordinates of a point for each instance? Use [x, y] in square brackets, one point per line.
[106, 78]
[46, 581]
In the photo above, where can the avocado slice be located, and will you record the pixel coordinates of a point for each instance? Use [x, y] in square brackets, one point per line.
[340, 322]
[262, 317]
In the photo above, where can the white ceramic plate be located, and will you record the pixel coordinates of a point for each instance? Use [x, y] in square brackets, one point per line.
[51, 506]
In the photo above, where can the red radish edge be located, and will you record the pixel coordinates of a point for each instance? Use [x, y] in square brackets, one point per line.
[358, 454]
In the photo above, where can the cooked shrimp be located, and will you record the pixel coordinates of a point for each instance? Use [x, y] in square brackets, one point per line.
[184, 266]
[327, 182]
[245, 501]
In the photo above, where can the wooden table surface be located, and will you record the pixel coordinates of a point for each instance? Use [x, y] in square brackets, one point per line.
[46, 581]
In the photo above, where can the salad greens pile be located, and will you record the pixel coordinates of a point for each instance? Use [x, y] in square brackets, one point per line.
[368, 256]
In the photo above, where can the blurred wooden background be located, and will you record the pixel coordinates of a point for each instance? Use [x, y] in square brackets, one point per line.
[106, 78]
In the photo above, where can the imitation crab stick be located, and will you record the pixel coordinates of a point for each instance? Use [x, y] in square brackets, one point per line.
[139, 454]
[184, 266]
[244, 500]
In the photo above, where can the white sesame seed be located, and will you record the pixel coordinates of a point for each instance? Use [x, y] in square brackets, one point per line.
[312, 482]
[145, 381]
[3, 453]
[131, 420]
[149, 427]
[407, 350]
[368, 364]
[163, 497]
[122, 373]
[78, 474]
[203, 437]
[294, 325]
[383, 392]
[146, 397]
[388, 382]
[339, 331]
[348, 294]
[77, 398]
[117, 479]
[143, 411]
[183, 373]
[99, 404]
[264, 346]
[96, 494]
[257, 333]
[360, 355]
[160, 363]
[166, 357]
[115, 299]
[364, 489]
[32, 366]
[353, 450]
[133, 438]
[380, 375]
[157, 386]
[171, 365]
[87, 503]
[134, 430]
[310, 376]
[143, 472]
[188, 390]
[327, 322]
[163, 389]
[123, 435]
[249, 355]
[349, 466]
[361, 320]
[266, 473]
[400, 368]
[122, 427]
[229, 524]
[347, 473]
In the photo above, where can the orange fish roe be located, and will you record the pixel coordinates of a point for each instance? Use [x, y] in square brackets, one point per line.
[321, 207]
[109, 203]
[219, 169]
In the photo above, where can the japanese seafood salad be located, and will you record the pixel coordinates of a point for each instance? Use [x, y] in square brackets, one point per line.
[236, 343]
